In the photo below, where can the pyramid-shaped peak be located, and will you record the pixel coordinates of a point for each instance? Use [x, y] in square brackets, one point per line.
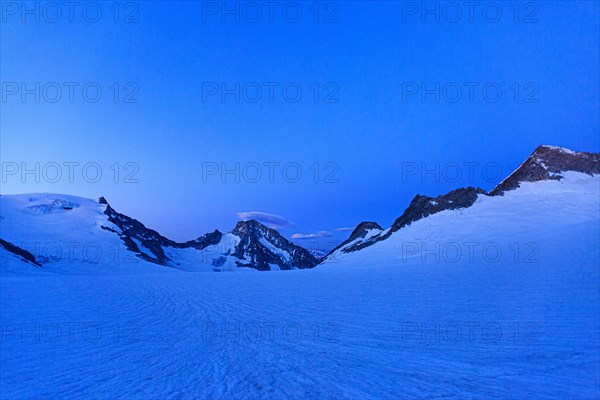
[250, 226]
[363, 229]
[547, 163]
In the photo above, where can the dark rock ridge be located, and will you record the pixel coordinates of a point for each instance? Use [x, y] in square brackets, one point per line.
[420, 207]
[363, 229]
[202, 242]
[19, 252]
[548, 162]
[132, 230]
[360, 232]
[259, 247]
[423, 206]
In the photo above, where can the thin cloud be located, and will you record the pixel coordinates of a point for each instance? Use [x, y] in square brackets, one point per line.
[317, 235]
[273, 221]
[344, 229]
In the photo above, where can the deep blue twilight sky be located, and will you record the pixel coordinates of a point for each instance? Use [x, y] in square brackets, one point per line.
[366, 57]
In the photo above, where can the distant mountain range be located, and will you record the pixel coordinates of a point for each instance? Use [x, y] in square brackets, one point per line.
[68, 234]
[69, 230]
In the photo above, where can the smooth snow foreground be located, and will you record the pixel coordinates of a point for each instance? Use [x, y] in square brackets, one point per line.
[406, 318]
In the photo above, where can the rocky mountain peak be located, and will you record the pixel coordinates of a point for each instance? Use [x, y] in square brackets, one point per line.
[358, 238]
[548, 162]
[264, 247]
[251, 227]
[424, 206]
[363, 229]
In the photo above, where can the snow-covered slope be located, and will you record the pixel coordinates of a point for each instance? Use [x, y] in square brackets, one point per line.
[73, 235]
[495, 229]
[65, 234]
[551, 186]
[374, 328]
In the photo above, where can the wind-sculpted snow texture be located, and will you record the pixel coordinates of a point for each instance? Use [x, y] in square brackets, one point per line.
[378, 328]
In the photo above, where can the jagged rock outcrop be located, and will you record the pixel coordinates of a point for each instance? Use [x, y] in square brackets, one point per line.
[19, 252]
[202, 242]
[364, 235]
[424, 206]
[363, 229]
[548, 162]
[135, 234]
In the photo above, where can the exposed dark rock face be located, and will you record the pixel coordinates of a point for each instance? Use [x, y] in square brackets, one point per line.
[22, 253]
[424, 206]
[202, 242]
[260, 246]
[133, 229]
[363, 228]
[360, 232]
[547, 162]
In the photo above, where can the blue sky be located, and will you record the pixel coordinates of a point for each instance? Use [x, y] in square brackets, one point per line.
[368, 134]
